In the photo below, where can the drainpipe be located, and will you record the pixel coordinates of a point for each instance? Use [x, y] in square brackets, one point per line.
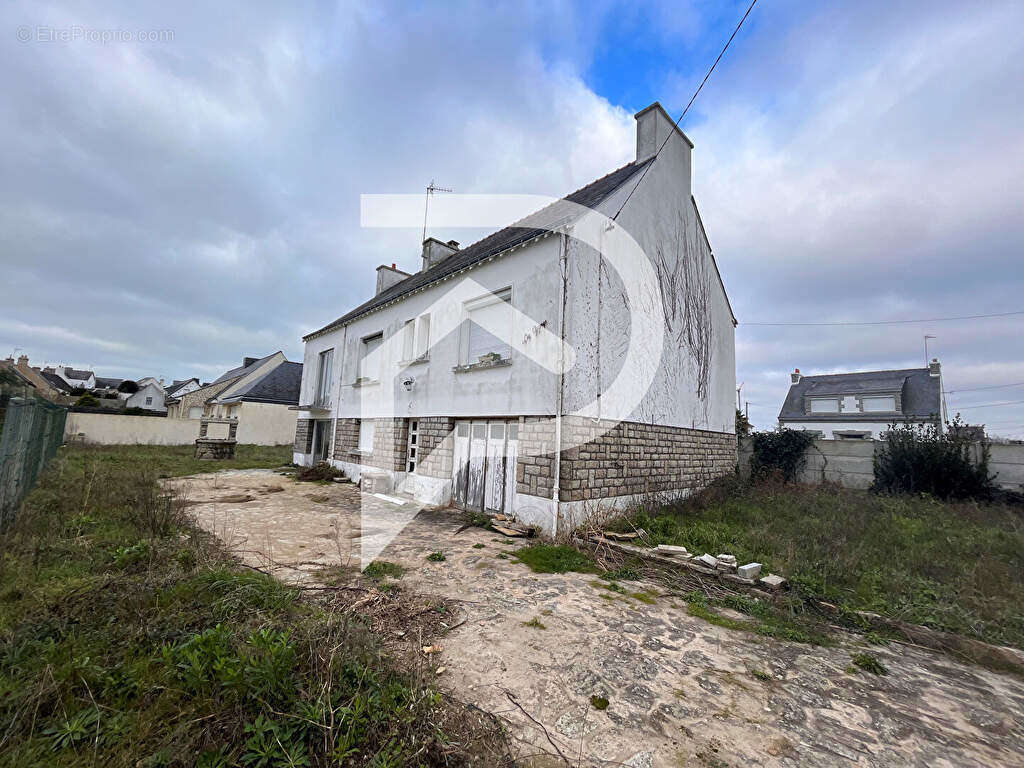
[563, 267]
[336, 405]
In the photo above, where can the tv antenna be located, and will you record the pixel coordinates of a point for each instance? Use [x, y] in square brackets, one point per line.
[431, 189]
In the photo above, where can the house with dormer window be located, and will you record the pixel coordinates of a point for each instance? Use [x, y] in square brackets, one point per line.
[863, 405]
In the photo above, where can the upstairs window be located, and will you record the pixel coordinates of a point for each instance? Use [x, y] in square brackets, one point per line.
[824, 405]
[322, 396]
[878, 404]
[369, 357]
[416, 338]
[488, 329]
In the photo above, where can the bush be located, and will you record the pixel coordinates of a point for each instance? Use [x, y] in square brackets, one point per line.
[87, 401]
[782, 453]
[128, 387]
[922, 459]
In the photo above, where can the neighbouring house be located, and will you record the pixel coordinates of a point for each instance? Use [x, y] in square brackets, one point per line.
[181, 387]
[863, 405]
[10, 376]
[149, 397]
[56, 382]
[74, 377]
[42, 382]
[261, 394]
[107, 383]
[456, 384]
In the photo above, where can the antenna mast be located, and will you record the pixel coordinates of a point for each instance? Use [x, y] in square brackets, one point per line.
[431, 189]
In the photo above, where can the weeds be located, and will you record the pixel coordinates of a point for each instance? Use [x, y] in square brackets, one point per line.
[869, 663]
[321, 472]
[379, 570]
[120, 647]
[535, 623]
[436, 557]
[599, 702]
[555, 558]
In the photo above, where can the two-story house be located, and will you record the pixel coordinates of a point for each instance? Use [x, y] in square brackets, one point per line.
[579, 358]
[862, 406]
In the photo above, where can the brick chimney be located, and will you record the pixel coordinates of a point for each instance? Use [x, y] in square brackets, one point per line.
[795, 376]
[388, 276]
[434, 251]
[934, 368]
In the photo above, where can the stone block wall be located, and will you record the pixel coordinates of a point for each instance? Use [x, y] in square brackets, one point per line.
[627, 458]
[303, 435]
[390, 445]
[436, 446]
[535, 468]
[346, 438]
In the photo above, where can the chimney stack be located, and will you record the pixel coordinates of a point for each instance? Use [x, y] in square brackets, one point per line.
[934, 368]
[434, 251]
[795, 376]
[23, 361]
[388, 276]
[653, 127]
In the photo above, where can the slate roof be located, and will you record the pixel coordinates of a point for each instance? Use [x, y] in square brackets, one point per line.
[281, 385]
[589, 196]
[55, 381]
[108, 383]
[242, 370]
[78, 375]
[176, 385]
[921, 396]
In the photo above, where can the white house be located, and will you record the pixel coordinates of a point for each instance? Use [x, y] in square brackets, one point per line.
[559, 364]
[75, 377]
[150, 396]
[863, 405]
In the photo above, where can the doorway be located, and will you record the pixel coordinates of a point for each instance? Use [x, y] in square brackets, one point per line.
[321, 439]
[484, 465]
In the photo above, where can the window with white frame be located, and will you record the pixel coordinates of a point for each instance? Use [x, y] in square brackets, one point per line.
[875, 404]
[369, 357]
[487, 329]
[416, 338]
[824, 405]
[322, 396]
[413, 446]
[149, 401]
[366, 435]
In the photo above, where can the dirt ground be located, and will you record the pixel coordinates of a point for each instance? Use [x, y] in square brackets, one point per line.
[680, 691]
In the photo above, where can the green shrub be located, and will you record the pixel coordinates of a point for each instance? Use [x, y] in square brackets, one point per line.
[781, 453]
[923, 459]
[436, 557]
[87, 401]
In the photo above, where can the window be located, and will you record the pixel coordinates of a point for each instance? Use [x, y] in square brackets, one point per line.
[322, 396]
[366, 435]
[369, 358]
[822, 405]
[416, 338]
[488, 329]
[851, 435]
[874, 404]
[413, 447]
[149, 401]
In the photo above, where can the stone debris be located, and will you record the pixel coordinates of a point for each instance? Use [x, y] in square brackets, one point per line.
[707, 560]
[510, 532]
[772, 581]
[673, 551]
[727, 559]
[749, 571]
[429, 649]
[616, 536]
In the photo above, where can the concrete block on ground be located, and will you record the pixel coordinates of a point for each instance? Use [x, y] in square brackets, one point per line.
[708, 560]
[727, 559]
[749, 571]
[773, 581]
[673, 551]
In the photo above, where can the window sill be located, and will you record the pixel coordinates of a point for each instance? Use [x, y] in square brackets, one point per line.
[414, 361]
[365, 382]
[505, 361]
[359, 452]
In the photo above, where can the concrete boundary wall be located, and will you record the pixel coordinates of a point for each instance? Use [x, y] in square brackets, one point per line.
[117, 429]
[850, 463]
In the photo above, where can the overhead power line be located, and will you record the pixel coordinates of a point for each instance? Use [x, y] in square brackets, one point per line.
[979, 389]
[688, 105]
[986, 405]
[898, 322]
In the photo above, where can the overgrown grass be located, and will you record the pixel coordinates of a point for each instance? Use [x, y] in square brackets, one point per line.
[173, 460]
[129, 638]
[955, 567]
[555, 558]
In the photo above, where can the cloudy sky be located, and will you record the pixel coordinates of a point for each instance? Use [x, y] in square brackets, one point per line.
[177, 200]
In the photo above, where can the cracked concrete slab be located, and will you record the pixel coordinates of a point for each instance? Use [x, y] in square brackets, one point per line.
[680, 691]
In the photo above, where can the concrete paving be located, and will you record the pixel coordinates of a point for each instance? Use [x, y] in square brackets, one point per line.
[680, 691]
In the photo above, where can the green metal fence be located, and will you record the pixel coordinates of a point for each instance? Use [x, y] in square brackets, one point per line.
[32, 432]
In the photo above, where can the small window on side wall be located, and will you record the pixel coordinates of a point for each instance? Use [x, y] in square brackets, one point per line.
[488, 328]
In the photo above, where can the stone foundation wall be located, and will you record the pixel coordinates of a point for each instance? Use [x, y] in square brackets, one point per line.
[619, 459]
[535, 468]
[390, 445]
[212, 449]
[436, 447]
[304, 436]
[346, 438]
